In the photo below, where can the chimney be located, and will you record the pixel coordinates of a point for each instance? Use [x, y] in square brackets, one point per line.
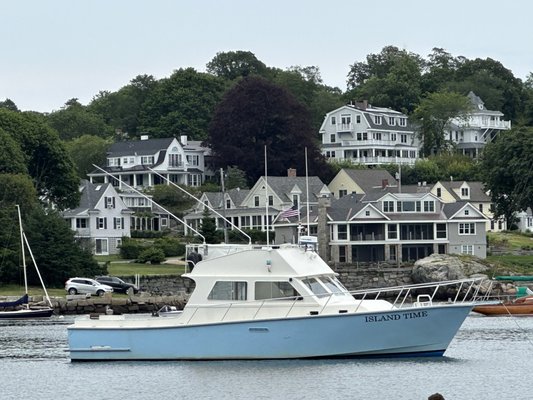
[384, 183]
[291, 172]
[363, 105]
[184, 140]
[145, 137]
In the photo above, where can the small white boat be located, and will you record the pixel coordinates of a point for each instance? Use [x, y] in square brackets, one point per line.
[278, 303]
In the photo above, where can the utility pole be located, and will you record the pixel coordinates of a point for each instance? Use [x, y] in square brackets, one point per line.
[223, 206]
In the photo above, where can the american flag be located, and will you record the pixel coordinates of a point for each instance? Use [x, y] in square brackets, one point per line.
[290, 212]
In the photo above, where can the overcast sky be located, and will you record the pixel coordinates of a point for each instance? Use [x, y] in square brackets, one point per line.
[52, 51]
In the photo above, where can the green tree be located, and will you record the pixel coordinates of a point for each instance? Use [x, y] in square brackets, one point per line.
[121, 109]
[48, 162]
[305, 84]
[58, 254]
[441, 69]
[209, 229]
[389, 79]
[434, 116]
[235, 178]
[11, 157]
[507, 165]
[231, 65]
[182, 104]
[74, 120]
[173, 199]
[85, 151]
[491, 81]
[9, 105]
[256, 113]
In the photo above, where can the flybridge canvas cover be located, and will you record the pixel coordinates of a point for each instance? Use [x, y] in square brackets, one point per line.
[22, 300]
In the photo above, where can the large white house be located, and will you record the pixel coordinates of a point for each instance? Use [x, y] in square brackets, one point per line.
[480, 127]
[363, 134]
[181, 162]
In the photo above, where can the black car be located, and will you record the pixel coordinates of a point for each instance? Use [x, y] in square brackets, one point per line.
[118, 285]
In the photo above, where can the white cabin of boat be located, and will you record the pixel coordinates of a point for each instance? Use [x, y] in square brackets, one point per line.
[263, 283]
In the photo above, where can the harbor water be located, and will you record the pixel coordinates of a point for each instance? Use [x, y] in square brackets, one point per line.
[490, 358]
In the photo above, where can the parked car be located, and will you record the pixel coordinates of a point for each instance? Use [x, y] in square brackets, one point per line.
[117, 284]
[86, 286]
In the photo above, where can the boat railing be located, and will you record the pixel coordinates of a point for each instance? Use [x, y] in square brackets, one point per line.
[466, 290]
[415, 295]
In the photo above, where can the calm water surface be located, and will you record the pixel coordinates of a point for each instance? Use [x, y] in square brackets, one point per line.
[490, 358]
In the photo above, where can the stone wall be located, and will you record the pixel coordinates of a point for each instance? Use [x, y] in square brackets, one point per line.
[356, 277]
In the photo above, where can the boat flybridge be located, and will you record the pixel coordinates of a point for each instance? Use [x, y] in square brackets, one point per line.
[272, 302]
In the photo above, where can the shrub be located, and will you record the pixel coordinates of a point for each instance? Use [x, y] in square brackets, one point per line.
[172, 247]
[153, 255]
[130, 249]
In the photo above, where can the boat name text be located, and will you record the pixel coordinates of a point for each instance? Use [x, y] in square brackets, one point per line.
[396, 317]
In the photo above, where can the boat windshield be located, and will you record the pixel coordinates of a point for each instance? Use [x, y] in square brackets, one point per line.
[316, 287]
[331, 285]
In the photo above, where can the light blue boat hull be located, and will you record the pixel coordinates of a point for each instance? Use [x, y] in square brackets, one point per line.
[423, 331]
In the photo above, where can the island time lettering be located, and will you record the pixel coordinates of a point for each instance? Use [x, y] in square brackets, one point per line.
[396, 317]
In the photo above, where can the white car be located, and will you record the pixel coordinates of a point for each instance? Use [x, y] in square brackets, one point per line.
[86, 286]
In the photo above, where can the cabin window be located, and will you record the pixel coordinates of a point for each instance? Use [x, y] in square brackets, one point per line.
[274, 290]
[315, 287]
[228, 290]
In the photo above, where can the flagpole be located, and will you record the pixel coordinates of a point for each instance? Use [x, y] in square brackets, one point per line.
[266, 199]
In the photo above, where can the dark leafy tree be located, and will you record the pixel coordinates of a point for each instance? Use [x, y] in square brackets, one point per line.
[231, 65]
[12, 159]
[389, 79]
[491, 81]
[58, 254]
[9, 105]
[182, 104]
[434, 116]
[305, 84]
[121, 109]
[255, 114]
[48, 162]
[440, 71]
[74, 120]
[86, 151]
[507, 165]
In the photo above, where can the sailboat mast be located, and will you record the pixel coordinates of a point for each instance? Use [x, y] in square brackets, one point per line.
[266, 199]
[22, 249]
[307, 192]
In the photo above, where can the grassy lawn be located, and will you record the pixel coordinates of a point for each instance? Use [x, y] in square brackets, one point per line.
[16, 290]
[512, 241]
[129, 269]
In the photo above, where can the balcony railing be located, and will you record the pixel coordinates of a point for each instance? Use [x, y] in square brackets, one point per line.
[344, 127]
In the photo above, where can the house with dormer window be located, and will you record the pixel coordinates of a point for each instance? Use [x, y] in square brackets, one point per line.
[401, 227]
[472, 192]
[480, 127]
[138, 163]
[363, 134]
[258, 207]
[101, 220]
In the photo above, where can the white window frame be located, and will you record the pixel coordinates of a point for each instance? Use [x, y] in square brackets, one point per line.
[467, 228]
